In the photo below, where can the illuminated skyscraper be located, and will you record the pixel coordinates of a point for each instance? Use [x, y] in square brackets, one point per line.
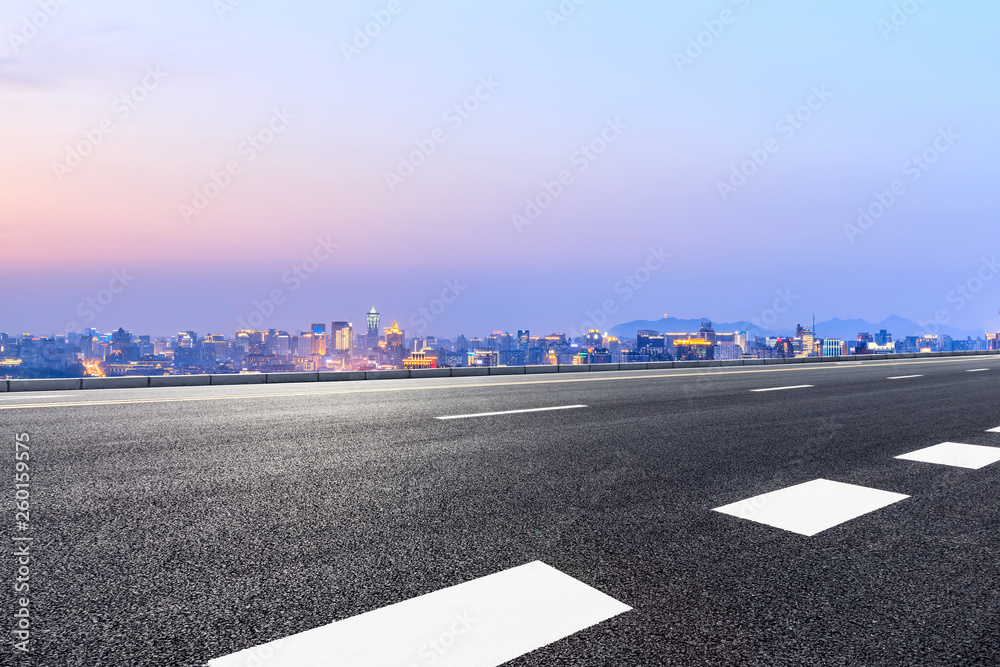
[693, 349]
[319, 339]
[523, 340]
[343, 336]
[833, 347]
[373, 337]
[394, 336]
[706, 332]
[343, 342]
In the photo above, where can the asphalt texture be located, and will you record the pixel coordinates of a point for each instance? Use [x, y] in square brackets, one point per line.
[173, 526]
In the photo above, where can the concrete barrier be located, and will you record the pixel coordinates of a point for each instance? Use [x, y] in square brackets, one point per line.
[604, 367]
[179, 380]
[506, 370]
[46, 384]
[574, 368]
[430, 372]
[3, 385]
[237, 378]
[470, 371]
[128, 382]
[282, 378]
[340, 376]
[387, 375]
[633, 366]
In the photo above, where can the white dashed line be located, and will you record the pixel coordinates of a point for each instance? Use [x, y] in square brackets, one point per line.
[904, 377]
[976, 370]
[811, 507]
[994, 430]
[955, 454]
[513, 412]
[483, 623]
[798, 386]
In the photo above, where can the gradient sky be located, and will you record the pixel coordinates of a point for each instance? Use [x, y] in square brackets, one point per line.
[656, 186]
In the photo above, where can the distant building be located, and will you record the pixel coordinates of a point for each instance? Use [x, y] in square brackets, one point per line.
[593, 338]
[833, 347]
[727, 351]
[394, 336]
[304, 345]
[706, 332]
[342, 340]
[523, 340]
[420, 360]
[318, 339]
[372, 319]
[483, 357]
[693, 349]
[783, 348]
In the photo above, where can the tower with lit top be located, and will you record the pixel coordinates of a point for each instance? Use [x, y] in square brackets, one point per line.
[373, 320]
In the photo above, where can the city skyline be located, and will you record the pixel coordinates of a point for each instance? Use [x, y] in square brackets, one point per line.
[378, 345]
[765, 325]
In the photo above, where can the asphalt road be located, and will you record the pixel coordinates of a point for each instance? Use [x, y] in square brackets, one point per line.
[174, 526]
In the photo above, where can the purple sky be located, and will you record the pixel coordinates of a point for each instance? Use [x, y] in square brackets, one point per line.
[204, 154]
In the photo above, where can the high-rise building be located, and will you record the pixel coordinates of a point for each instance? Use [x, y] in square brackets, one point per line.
[343, 336]
[371, 341]
[727, 351]
[647, 338]
[122, 348]
[833, 347]
[706, 332]
[783, 348]
[693, 349]
[523, 340]
[394, 336]
[304, 346]
[808, 343]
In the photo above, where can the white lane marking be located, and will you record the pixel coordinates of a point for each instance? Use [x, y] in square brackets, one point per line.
[13, 396]
[955, 454]
[513, 412]
[847, 363]
[811, 507]
[994, 430]
[904, 377]
[798, 386]
[483, 623]
[976, 370]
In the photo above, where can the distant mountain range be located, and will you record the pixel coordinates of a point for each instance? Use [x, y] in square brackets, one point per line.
[899, 327]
